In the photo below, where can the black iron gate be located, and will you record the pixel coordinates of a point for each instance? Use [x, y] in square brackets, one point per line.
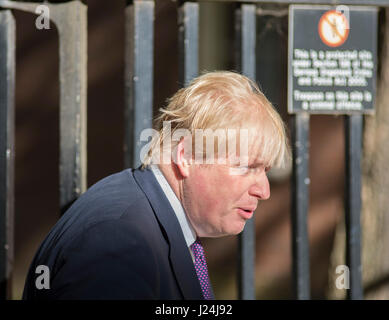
[71, 21]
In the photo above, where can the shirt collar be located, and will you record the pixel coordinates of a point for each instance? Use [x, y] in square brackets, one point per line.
[186, 227]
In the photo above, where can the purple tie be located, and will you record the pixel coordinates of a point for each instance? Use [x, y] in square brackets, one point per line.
[201, 269]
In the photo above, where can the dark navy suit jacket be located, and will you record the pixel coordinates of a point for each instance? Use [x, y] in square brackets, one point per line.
[120, 240]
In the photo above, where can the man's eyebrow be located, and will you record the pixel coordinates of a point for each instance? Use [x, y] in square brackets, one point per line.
[256, 164]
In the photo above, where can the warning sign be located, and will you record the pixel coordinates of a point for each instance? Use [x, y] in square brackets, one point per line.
[332, 59]
[333, 28]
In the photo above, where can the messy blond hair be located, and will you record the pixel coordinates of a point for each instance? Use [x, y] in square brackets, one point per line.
[223, 99]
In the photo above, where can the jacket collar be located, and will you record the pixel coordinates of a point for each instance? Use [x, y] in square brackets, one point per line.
[179, 255]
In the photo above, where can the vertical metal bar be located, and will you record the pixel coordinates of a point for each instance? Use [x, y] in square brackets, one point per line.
[188, 35]
[300, 201]
[245, 28]
[139, 48]
[71, 21]
[353, 136]
[7, 149]
[238, 38]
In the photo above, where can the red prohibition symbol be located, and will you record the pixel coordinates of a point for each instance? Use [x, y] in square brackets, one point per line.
[333, 28]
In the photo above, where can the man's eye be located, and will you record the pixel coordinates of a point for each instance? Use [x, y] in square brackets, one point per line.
[246, 168]
[243, 169]
[239, 170]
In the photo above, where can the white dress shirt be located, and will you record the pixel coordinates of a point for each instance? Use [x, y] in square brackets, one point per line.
[186, 227]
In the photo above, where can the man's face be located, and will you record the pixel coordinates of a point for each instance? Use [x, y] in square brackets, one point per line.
[218, 202]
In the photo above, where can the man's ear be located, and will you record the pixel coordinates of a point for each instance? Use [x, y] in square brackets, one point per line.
[181, 160]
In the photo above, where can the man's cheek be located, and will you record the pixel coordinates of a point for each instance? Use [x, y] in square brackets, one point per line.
[217, 207]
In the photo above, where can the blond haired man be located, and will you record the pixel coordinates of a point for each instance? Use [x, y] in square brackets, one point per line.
[136, 234]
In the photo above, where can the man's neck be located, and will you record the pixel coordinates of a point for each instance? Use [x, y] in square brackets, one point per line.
[171, 174]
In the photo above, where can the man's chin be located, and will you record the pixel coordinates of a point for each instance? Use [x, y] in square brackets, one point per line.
[225, 233]
[231, 230]
[237, 229]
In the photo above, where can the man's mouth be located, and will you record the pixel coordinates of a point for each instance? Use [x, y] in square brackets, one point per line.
[246, 213]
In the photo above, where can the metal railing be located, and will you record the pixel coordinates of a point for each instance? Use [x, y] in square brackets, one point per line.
[71, 21]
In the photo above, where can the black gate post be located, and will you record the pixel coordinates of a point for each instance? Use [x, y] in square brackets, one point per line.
[71, 21]
[300, 202]
[188, 36]
[353, 136]
[245, 28]
[7, 149]
[139, 63]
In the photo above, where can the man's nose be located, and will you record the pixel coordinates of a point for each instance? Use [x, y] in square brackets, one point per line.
[261, 187]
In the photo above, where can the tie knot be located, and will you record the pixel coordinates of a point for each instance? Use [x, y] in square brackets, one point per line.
[197, 249]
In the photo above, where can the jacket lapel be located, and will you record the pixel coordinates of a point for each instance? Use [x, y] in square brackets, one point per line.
[179, 256]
